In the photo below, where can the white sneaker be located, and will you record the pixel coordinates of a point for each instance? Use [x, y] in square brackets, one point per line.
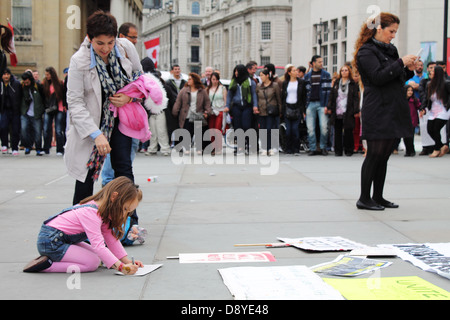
[263, 153]
[15, 153]
[4, 150]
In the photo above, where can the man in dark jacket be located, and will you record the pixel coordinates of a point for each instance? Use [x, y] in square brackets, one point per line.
[175, 83]
[11, 95]
[32, 110]
[318, 86]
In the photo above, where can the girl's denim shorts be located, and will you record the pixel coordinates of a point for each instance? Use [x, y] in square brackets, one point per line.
[54, 243]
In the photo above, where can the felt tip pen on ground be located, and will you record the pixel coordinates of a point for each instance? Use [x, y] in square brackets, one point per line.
[267, 245]
[278, 245]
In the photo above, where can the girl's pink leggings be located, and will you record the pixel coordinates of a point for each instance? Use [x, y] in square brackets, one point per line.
[80, 255]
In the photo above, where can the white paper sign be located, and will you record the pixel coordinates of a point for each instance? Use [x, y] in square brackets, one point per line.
[142, 271]
[277, 283]
[323, 243]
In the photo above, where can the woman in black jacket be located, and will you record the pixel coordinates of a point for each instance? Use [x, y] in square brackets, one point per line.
[344, 105]
[293, 99]
[10, 101]
[385, 112]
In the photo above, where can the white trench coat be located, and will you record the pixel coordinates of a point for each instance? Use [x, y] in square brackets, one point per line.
[84, 99]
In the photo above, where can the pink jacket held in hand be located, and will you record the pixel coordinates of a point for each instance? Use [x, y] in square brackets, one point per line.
[133, 118]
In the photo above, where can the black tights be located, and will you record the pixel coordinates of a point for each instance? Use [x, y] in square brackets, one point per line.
[374, 170]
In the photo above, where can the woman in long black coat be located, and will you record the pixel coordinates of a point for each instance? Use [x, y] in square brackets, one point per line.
[343, 118]
[385, 112]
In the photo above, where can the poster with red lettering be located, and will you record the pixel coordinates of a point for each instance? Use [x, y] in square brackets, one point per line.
[226, 257]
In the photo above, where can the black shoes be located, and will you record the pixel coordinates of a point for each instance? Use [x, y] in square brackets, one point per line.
[38, 264]
[387, 204]
[318, 153]
[373, 207]
[376, 205]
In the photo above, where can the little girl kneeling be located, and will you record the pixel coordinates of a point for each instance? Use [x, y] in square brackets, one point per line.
[99, 218]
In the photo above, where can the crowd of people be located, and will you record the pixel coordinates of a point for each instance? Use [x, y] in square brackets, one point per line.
[33, 112]
[318, 112]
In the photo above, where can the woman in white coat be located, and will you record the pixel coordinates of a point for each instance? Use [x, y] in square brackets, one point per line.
[103, 65]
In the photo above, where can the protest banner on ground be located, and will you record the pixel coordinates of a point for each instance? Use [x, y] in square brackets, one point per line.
[394, 288]
[226, 257]
[277, 283]
[432, 257]
[348, 266]
[323, 243]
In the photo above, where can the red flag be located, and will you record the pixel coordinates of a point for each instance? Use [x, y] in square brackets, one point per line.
[448, 56]
[153, 49]
[12, 47]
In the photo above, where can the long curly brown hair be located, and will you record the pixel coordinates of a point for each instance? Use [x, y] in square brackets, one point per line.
[57, 84]
[196, 80]
[111, 212]
[369, 29]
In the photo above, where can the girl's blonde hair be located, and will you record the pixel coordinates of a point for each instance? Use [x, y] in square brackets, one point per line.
[112, 211]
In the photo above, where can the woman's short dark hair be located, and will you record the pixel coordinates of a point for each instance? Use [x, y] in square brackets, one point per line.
[101, 23]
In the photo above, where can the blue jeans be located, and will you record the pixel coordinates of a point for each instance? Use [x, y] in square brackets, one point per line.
[293, 135]
[31, 132]
[313, 111]
[242, 117]
[108, 174]
[60, 127]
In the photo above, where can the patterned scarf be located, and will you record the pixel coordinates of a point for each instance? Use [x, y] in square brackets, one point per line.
[112, 82]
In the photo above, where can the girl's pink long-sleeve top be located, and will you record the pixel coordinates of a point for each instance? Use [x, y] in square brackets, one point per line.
[103, 242]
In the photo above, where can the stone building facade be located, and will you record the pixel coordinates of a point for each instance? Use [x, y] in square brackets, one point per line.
[244, 31]
[48, 33]
[221, 33]
[421, 22]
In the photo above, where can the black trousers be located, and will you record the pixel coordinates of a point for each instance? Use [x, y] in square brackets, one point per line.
[434, 128]
[343, 138]
[120, 161]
